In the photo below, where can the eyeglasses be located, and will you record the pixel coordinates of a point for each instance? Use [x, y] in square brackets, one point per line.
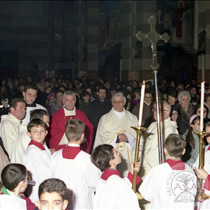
[117, 102]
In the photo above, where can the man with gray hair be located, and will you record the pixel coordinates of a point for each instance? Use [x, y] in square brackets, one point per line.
[58, 139]
[115, 128]
[149, 139]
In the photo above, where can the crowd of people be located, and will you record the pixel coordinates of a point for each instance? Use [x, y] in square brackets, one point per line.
[77, 134]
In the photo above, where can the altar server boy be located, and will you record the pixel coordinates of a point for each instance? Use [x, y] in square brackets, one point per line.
[171, 185]
[113, 192]
[205, 173]
[52, 195]
[74, 167]
[37, 156]
[15, 180]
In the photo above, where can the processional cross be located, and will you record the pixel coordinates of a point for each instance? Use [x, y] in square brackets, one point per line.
[154, 37]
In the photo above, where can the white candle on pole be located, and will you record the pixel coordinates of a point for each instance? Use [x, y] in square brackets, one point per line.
[202, 104]
[141, 103]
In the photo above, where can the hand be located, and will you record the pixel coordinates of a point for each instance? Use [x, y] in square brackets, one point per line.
[122, 137]
[135, 167]
[201, 174]
[52, 150]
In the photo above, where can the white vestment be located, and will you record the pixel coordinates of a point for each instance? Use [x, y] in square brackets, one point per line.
[20, 145]
[37, 161]
[115, 193]
[80, 176]
[149, 144]
[28, 113]
[11, 202]
[112, 124]
[9, 131]
[205, 204]
[166, 188]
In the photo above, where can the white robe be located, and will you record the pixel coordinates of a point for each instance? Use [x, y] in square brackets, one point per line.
[166, 188]
[37, 161]
[11, 202]
[205, 204]
[115, 193]
[80, 176]
[10, 126]
[112, 124]
[28, 113]
[149, 144]
[20, 145]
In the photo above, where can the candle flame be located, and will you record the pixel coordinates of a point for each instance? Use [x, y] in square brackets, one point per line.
[143, 82]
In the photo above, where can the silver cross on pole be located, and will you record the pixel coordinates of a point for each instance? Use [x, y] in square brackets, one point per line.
[154, 37]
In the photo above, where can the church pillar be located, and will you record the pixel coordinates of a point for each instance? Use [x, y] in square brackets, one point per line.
[204, 8]
[136, 55]
[86, 36]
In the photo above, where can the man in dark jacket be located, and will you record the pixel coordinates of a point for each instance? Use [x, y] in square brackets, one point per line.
[98, 107]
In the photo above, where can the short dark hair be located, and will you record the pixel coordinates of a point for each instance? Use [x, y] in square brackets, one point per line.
[30, 86]
[12, 175]
[39, 113]
[175, 145]
[101, 156]
[14, 101]
[74, 129]
[172, 93]
[101, 87]
[36, 123]
[53, 185]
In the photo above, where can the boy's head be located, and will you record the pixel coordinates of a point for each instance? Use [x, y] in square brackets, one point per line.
[104, 156]
[74, 130]
[30, 93]
[52, 194]
[175, 145]
[37, 130]
[14, 176]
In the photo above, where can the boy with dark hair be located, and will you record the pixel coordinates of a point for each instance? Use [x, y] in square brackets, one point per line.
[74, 167]
[171, 185]
[29, 96]
[23, 139]
[15, 180]
[37, 155]
[52, 195]
[112, 191]
[172, 97]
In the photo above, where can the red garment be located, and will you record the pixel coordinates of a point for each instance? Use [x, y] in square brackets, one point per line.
[57, 130]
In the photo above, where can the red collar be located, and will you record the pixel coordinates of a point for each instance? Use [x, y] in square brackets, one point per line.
[37, 144]
[70, 152]
[176, 165]
[109, 172]
[208, 147]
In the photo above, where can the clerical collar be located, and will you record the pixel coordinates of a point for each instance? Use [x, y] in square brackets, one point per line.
[101, 100]
[37, 144]
[176, 164]
[147, 103]
[31, 105]
[109, 172]
[68, 112]
[119, 114]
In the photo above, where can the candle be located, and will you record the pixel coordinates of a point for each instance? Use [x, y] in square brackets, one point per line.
[202, 101]
[141, 103]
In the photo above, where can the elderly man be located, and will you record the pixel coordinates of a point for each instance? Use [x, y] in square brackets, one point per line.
[115, 128]
[10, 124]
[186, 108]
[58, 139]
[149, 139]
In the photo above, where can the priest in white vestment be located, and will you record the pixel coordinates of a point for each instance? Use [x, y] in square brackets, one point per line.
[149, 139]
[115, 128]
